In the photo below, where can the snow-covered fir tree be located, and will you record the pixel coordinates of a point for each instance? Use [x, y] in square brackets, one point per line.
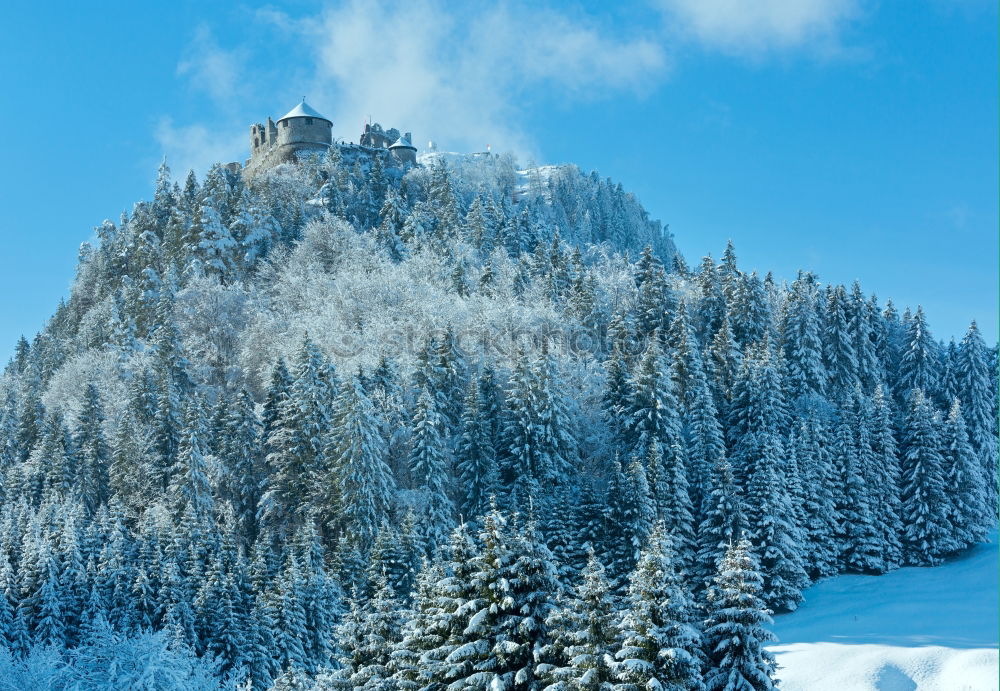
[735, 631]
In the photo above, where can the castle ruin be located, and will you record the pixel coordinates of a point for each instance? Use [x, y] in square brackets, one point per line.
[304, 130]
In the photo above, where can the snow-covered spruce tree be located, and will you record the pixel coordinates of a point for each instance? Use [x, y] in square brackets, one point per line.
[428, 464]
[190, 485]
[558, 524]
[367, 637]
[805, 374]
[886, 478]
[582, 636]
[93, 452]
[360, 485]
[977, 392]
[686, 368]
[966, 490]
[734, 632]
[450, 374]
[756, 411]
[758, 416]
[749, 311]
[839, 356]
[519, 460]
[919, 359]
[387, 558]
[420, 633]
[705, 443]
[321, 596]
[722, 525]
[556, 434]
[712, 301]
[537, 443]
[212, 249]
[862, 315]
[441, 612]
[295, 454]
[616, 395]
[51, 467]
[814, 453]
[769, 515]
[652, 412]
[861, 546]
[660, 643]
[238, 442]
[642, 503]
[475, 457]
[926, 533]
[513, 582]
[672, 503]
[623, 529]
[654, 300]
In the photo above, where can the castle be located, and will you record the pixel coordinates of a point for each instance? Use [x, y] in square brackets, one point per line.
[303, 129]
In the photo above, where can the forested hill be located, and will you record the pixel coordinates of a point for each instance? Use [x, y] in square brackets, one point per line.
[341, 427]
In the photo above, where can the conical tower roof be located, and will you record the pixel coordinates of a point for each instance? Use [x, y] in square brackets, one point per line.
[304, 110]
[403, 143]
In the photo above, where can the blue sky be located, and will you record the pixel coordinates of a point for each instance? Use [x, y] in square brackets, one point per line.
[857, 139]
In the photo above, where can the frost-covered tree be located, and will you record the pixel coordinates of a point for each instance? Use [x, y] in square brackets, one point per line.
[513, 581]
[583, 634]
[361, 484]
[660, 643]
[368, 635]
[191, 485]
[861, 544]
[652, 413]
[475, 455]
[428, 464]
[926, 530]
[976, 384]
[839, 355]
[918, 360]
[295, 442]
[805, 374]
[93, 451]
[769, 513]
[735, 631]
[885, 478]
[722, 524]
[967, 500]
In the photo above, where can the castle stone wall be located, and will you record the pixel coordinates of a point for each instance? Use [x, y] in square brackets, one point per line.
[284, 140]
[304, 131]
[278, 154]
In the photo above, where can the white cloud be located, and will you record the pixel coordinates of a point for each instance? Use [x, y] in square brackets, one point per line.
[759, 26]
[197, 147]
[212, 69]
[461, 78]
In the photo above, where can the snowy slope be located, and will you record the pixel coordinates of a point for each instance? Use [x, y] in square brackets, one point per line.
[916, 629]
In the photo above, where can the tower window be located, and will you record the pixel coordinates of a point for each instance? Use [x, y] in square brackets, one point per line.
[309, 121]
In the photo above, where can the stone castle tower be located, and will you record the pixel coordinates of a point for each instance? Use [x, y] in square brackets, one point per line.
[303, 129]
